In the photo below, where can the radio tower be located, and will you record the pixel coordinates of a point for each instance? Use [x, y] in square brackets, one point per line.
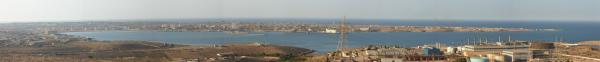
[343, 35]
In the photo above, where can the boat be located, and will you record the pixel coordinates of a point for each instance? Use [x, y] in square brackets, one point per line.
[331, 31]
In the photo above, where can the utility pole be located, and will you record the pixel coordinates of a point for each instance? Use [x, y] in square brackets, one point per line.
[509, 38]
[468, 41]
[562, 39]
[499, 39]
[486, 41]
[480, 40]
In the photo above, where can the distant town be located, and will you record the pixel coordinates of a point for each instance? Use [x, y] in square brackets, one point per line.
[241, 26]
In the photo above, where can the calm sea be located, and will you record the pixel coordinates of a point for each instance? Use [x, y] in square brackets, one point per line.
[571, 32]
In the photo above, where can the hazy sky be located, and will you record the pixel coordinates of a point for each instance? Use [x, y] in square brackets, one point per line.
[61, 10]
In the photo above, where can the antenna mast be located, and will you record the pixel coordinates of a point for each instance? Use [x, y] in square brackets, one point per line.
[343, 34]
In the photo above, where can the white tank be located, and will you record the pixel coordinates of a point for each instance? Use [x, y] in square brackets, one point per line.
[496, 58]
[450, 50]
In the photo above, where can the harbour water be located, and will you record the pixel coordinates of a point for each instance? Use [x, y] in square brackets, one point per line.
[322, 42]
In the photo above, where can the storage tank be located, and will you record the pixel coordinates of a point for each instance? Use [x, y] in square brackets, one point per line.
[459, 49]
[478, 59]
[426, 51]
[541, 46]
[496, 57]
[431, 51]
[450, 50]
[437, 51]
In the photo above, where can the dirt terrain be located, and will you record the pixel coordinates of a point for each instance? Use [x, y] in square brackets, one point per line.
[141, 51]
[592, 43]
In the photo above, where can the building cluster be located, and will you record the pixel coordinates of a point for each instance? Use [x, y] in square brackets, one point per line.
[33, 37]
[13, 39]
[501, 51]
[389, 54]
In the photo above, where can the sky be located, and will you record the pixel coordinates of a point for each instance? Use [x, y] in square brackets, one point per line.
[90, 10]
